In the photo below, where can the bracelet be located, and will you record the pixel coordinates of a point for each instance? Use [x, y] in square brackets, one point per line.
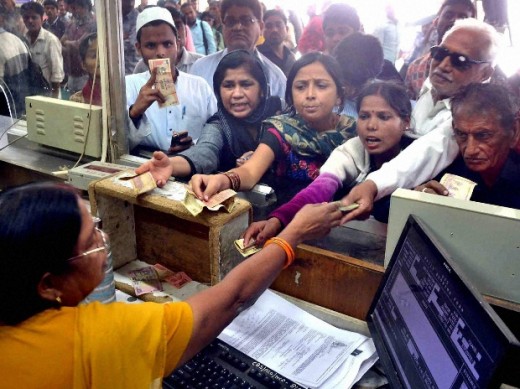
[234, 180]
[282, 243]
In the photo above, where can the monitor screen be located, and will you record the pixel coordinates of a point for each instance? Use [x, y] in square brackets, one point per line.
[437, 332]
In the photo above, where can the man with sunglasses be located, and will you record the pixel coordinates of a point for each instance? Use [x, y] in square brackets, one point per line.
[466, 55]
[450, 11]
[242, 20]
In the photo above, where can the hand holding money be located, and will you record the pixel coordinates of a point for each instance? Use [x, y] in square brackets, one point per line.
[164, 81]
[148, 94]
[432, 187]
[246, 251]
[458, 187]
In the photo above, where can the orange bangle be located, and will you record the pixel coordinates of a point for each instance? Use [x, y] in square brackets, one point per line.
[286, 247]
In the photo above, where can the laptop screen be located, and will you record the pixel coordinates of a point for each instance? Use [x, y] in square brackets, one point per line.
[432, 330]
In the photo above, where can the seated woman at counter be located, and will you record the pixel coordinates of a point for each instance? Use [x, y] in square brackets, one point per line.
[243, 103]
[384, 114]
[298, 142]
[486, 130]
[53, 256]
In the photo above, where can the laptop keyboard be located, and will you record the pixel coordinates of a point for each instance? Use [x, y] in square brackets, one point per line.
[221, 366]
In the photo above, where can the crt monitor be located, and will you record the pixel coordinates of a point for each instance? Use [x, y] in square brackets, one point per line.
[431, 327]
[65, 125]
[483, 239]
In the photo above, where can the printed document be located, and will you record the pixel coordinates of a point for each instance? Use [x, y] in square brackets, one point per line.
[298, 345]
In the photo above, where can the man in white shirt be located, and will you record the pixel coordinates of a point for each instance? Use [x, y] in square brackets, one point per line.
[150, 125]
[44, 46]
[466, 55]
[185, 58]
[243, 25]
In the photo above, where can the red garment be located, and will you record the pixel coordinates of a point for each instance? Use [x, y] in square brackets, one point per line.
[87, 90]
[312, 38]
[416, 74]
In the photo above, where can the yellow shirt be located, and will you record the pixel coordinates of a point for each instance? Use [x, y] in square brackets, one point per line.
[95, 346]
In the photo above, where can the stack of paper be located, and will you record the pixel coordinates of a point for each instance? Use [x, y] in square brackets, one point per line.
[300, 346]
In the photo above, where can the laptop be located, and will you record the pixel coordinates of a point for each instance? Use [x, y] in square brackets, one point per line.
[431, 327]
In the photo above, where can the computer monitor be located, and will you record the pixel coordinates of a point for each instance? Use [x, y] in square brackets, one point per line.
[431, 327]
[483, 239]
[65, 125]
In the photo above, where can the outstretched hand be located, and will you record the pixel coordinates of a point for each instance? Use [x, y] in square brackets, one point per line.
[364, 195]
[259, 232]
[160, 166]
[311, 222]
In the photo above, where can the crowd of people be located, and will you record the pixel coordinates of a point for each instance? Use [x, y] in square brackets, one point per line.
[319, 112]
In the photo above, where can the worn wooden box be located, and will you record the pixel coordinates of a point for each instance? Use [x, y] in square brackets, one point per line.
[156, 229]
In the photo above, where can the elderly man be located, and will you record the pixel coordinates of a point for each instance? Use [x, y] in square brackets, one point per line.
[243, 25]
[151, 126]
[450, 11]
[486, 130]
[466, 55]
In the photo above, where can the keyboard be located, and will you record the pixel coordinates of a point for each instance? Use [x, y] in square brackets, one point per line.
[222, 366]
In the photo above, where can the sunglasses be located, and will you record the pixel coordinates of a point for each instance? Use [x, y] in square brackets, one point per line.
[458, 61]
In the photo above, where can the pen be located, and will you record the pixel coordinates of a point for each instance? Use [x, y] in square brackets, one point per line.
[183, 111]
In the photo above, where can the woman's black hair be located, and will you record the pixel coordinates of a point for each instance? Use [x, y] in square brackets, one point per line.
[485, 99]
[232, 128]
[235, 60]
[85, 43]
[331, 66]
[39, 229]
[393, 93]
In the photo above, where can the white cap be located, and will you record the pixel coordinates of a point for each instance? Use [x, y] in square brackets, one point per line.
[151, 14]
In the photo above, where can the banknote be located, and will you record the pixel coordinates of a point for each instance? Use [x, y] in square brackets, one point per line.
[145, 280]
[224, 199]
[176, 279]
[192, 204]
[143, 183]
[179, 279]
[246, 251]
[346, 208]
[164, 81]
[458, 187]
[162, 271]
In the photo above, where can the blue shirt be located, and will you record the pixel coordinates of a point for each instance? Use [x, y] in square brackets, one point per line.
[198, 39]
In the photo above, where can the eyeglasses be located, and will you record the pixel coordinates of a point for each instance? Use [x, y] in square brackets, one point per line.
[459, 61]
[244, 21]
[96, 250]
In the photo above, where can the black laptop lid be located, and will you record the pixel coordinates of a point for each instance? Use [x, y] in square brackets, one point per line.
[431, 328]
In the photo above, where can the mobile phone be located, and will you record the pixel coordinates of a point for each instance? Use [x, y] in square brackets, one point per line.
[177, 138]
